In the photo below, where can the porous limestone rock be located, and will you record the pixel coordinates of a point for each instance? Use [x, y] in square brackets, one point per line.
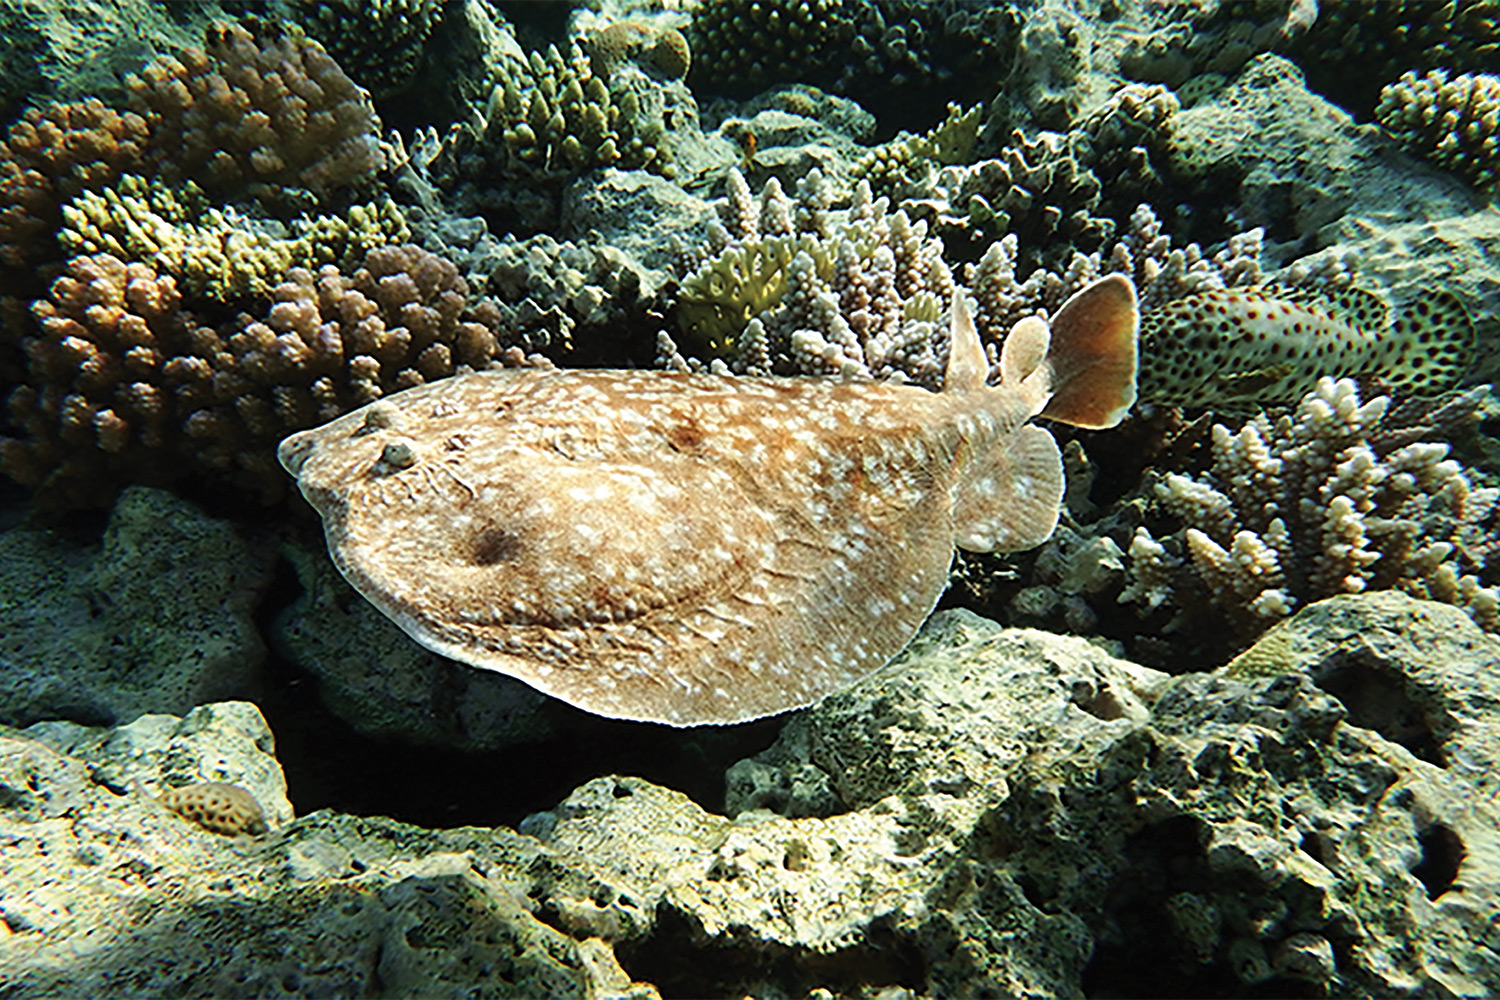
[153, 617]
[1004, 812]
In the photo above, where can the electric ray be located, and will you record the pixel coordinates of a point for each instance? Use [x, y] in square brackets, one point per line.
[693, 549]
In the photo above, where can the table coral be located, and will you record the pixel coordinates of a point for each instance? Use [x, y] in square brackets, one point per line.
[1312, 504]
[1452, 120]
[127, 383]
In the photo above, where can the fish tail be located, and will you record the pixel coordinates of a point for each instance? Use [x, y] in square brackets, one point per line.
[1093, 355]
[1432, 345]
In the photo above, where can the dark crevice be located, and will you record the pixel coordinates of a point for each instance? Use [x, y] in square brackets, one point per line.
[1380, 699]
[1442, 854]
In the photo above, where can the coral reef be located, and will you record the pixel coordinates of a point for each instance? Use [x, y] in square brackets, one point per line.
[789, 286]
[909, 50]
[155, 615]
[1325, 500]
[1350, 50]
[126, 383]
[1453, 122]
[377, 42]
[261, 110]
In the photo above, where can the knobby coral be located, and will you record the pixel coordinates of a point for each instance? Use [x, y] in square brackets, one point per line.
[1454, 121]
[127, 384]
[257, 112]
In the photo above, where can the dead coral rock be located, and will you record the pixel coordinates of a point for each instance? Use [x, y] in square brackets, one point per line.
[1412, 670]
[1018, 814]
[373, 676]
[155, 617]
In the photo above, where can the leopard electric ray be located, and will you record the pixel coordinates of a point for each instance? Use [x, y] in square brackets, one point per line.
[696, 549]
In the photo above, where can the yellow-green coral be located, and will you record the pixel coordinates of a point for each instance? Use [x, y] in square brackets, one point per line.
[214, 252]
[556, 116]
[893, 164]
[727, 291]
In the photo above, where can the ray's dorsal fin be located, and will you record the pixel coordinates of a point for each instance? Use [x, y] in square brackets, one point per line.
[968, 368]
[1092, 357]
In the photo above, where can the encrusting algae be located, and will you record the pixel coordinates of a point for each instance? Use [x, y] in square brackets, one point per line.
[703, 549]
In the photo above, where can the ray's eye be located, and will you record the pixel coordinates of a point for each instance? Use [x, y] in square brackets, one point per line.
[491, 546]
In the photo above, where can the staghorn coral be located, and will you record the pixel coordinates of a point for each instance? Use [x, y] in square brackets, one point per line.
[1453, 122]
[217, 253]
[265, 112]
[128, 384]
[1315, 503]
[793, 287]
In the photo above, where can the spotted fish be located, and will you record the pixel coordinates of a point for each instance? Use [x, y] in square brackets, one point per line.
[692, 549]
[1268, 345]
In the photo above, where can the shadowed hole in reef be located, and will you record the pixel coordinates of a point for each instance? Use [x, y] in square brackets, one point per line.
[330, 765]
[1140, 948]
[1442, 854]
[1378, 698]
[675, 960]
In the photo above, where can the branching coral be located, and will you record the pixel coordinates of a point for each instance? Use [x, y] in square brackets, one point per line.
[217, 253]
[1315, 503]
[906, 49]
[793, 287]
[1454, 122]
[52, 155]
[126, 384]
[378, 42]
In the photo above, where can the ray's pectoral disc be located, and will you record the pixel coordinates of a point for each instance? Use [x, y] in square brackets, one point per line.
[696, 549]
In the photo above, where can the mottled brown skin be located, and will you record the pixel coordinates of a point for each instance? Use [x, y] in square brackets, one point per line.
[696, 549]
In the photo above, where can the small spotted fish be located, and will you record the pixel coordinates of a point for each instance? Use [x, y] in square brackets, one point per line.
[1259, 346]
[699, 549]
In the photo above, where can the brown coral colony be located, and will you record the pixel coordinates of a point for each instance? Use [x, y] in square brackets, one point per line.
[132, 374]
